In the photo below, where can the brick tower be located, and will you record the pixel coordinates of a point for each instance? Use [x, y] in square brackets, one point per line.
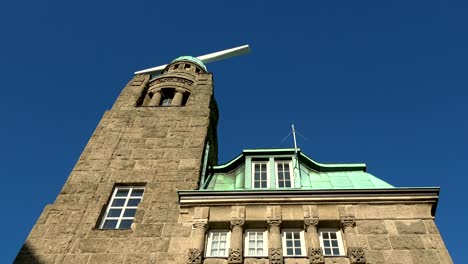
[120, 201]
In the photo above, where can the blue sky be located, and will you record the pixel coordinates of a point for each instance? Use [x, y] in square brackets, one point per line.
[380, 82]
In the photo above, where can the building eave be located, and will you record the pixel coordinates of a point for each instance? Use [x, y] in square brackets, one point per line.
[367, 196]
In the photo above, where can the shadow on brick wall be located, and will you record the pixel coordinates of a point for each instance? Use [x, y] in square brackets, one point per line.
[27, 256]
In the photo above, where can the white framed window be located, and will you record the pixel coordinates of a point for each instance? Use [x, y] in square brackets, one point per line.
[284, 174]
[122, 207]
[260, 175]
[293, 242]
[218, 243]
[331, 241]
[256, 243]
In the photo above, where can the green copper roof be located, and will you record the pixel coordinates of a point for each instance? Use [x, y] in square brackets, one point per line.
[307, 173]
[192, 59]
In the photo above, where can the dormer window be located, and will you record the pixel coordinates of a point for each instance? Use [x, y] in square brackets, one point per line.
[284, 175]
[260, 175]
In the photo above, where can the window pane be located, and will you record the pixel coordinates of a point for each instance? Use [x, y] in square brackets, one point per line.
[326, 243]
[289, 251]
[133, 202]
[129, 213]
[288, 235]
[333, 235]
[289, 243]
[260, 251]
[109, 224]
[137, 192]
[296, 235]
[336, 251]
[325, 235]
[118, 202]
[327, 251]
[297, 243]
[297, 251]
[334, 243]
[124, 224]
[122, 192]
[222, 252]
[114, 213]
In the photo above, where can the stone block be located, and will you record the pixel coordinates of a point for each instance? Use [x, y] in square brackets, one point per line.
[255, 212]
[139, 259]
[215, 261]
[433, 241]
[91, 245]
[406, 242]
[326, 212]
[177, 230]
[424, 257]
[220, 214]
[292, 212]
[431, 226]
[337, 260]
[256, 261]
[410, 227]
[422, 210]
[378, 242]
[122, 245]
[398, 257]
[148, 230]
[151, 245]
[76, 259]
[296, 260]
[175, 244]
[371, 227]
[375, 257]
[367, 212]
[106, 258]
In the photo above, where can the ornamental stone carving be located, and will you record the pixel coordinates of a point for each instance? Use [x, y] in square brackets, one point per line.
[316, 256]
[237, 222]
[275, 255]
[356, 255]
[348, 222]
[235, 255]
[274, 222]
[195, 256]
[312, 221]
[180, 90]
[200, 224]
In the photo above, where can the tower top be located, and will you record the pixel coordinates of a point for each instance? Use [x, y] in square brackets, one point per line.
[201, 60]
[191, 59]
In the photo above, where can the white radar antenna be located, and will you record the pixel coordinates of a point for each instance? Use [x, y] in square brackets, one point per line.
[215, 56]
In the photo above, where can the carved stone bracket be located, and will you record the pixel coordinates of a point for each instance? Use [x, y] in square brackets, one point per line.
[200, 224]
[275, 255]
[235, 255]
[348, 222]
[274, 222]
[316, 256]
[237, 222]
[312, 221]
[356, 255]
[194, 256]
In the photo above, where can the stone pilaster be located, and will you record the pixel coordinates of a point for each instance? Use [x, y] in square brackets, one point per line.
[315, 252]
[355, 253]
[195, 253]
[235, 251]
[275, 251]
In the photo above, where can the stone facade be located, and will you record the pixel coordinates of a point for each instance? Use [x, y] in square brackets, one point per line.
[141, 142]
[160, 148]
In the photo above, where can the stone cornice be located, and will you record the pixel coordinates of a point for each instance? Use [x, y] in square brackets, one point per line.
[373, 196]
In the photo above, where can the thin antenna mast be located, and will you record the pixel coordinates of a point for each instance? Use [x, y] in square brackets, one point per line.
[294, 137]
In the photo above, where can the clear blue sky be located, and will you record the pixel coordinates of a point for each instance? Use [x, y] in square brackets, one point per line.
[380, 82]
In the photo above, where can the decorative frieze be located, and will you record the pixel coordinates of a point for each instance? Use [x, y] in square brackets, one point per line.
[316, 255]
[356, 255]
[200, 224]
[235, 255]
[275, 255]
[195, 256]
